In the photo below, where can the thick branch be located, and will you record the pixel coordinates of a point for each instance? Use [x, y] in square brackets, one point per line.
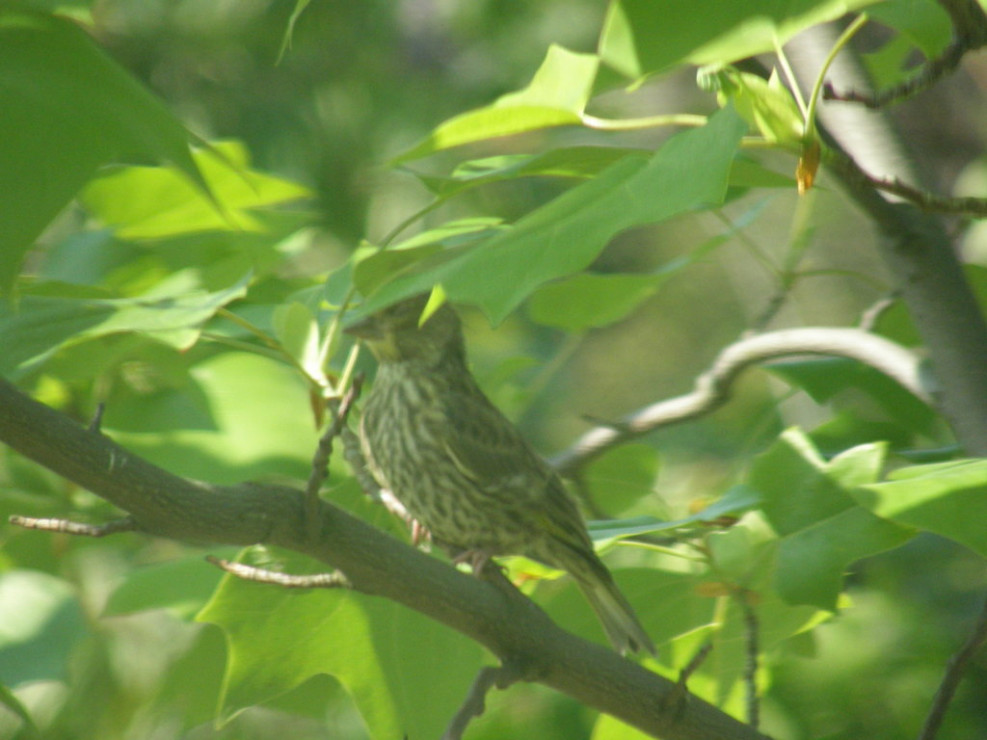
[511, 626]
[915, 246]
[712, 388]
[917, 250]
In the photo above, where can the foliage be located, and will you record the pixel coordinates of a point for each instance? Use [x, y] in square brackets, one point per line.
[200, 298]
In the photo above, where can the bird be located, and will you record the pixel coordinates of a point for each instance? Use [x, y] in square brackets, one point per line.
[463, 471]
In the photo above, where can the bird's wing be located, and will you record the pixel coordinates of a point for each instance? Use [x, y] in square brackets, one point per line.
[489, 450]
[484, 445]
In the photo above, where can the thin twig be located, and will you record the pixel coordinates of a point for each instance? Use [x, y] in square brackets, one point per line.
[474, 705]
[65, 526]
[97, 420]
[969, 33]
[870, 317]
[677, 698]
[697, 660]
[954, 673]
[752, 629]
[930, 202]
[712, 388]
[246, 572]
[320, 461]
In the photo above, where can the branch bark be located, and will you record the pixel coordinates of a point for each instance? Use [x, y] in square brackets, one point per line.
[511, 626]
[914, 245]
[712, 388]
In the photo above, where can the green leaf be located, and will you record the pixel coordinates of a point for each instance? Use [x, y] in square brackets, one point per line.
[813, 561]
[41, 624]
[766, 105]
[298, 333]
[621, 476]
[556, 96]
[244, 417]
[665, 603]
[180, 586]
[949, 499]
[737, 500]
[811, 504]
[923, 23]
[580, 162]
[746, 173]
[375, 266]
[588, 300]
[642, 37]
[69, 108]
[38, 326]
[690, 171]
[406, 673]
[10, 700]
[824, 378]
[795, 484]
[155, 202]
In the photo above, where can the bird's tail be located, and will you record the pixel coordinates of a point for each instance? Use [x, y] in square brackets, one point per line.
[619, 621]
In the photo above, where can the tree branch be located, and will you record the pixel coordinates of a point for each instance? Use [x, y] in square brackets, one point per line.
[511, 626]
[712, 388]
[969, 34]
[954, 673]
[474, 705]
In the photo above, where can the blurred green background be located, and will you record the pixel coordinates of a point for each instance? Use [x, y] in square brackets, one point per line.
[360, 83]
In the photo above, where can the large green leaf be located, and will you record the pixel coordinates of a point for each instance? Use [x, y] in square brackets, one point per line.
[42, 622]
[39, 325]
[642, 37]
[180, 586]
[690, 171]
[812, 562]
[810, 503]
[949, 499]
[588, 300]
[243, 417]
[67, 108]
[407, 674]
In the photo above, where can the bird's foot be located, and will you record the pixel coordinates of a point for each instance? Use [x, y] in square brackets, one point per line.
[476, 559]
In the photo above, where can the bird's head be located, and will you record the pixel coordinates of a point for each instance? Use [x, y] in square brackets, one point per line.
[396, 334]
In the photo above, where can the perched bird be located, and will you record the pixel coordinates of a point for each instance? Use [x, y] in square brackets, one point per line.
[461, 469]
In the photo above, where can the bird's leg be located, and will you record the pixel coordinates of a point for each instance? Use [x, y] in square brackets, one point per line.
[477, 560]
[420, 536]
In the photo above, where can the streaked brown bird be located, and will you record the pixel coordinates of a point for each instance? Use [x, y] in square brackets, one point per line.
[460, 468]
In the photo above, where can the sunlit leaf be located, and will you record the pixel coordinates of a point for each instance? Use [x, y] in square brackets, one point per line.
[555, 97]
[154, 202]
[381, 652]
[690, 171]
[949, 499]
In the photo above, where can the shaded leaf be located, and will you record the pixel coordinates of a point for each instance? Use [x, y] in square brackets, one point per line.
[824, 378]
[67, 108]
[642, 37]
[38, 326]
[621, 476]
